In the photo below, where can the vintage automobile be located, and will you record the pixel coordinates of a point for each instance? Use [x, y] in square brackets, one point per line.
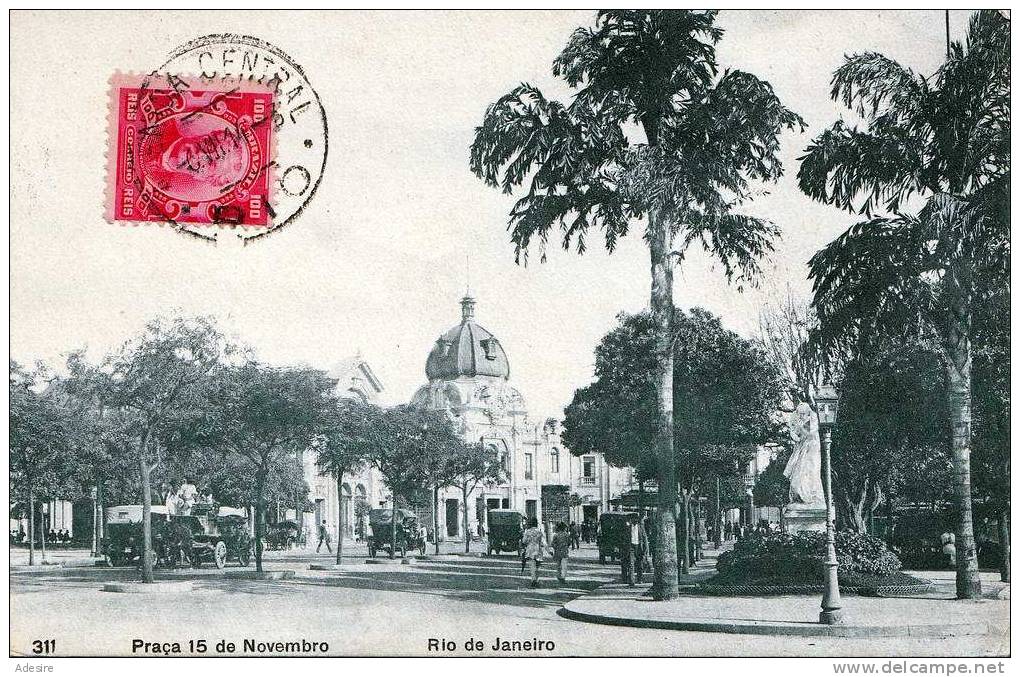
[614, 533]
[506, 527]
[122, 540]
[282, 535]
[408, 538]
[211, 533]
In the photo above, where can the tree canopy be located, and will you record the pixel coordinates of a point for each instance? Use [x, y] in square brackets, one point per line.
[726, 398]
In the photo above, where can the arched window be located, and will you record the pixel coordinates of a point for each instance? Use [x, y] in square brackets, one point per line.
[554, 461]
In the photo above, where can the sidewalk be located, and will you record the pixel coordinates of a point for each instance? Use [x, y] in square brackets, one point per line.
[936, 614]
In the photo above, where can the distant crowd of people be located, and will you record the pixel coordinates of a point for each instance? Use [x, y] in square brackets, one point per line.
[18, 536]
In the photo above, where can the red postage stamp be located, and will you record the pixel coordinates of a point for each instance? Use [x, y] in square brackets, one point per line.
[189, 152]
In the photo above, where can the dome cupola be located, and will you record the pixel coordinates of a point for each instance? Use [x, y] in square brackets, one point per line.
[467, 350]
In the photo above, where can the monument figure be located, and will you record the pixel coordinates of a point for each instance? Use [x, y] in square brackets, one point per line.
[806, 511]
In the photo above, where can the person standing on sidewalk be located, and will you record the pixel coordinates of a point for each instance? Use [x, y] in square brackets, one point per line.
[534, 548]
[562, 541]
[324, 538]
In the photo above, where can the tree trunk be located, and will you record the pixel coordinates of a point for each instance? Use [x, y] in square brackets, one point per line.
[718, 515]
[393, 527]
[697, 527]
[664, 554]
[1004, 544]
[968, 582]
[888, 518]
[260, 514]
[435, 516]
[31, 526]
[685, 533]
[340, 518]
[467, 533]
[147, 563]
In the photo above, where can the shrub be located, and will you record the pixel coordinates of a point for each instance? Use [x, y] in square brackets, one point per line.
[799, 558]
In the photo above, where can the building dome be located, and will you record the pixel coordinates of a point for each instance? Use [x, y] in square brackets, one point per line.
[467, 350]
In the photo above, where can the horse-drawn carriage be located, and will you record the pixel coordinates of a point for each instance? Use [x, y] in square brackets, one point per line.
[506, 527]
[210, 534]
[408, 536]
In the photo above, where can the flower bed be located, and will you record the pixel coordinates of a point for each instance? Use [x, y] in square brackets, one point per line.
[789, 564]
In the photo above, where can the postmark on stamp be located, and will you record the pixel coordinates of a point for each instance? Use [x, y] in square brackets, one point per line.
[187, 152]
[231, 69]
[300, 131]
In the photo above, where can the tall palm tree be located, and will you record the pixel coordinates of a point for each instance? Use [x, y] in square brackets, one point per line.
[939, 146]
[707, 137]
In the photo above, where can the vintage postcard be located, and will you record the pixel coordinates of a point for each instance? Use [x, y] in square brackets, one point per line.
[511, 333]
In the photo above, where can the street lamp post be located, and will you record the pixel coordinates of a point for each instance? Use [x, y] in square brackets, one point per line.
[832, 612]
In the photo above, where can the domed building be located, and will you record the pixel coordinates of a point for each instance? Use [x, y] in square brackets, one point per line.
[468, 375]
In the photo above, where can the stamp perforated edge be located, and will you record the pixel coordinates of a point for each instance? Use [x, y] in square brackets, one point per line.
[132, 79]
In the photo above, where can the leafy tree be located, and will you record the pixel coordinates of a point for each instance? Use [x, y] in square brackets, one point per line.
[727, 395]
[991, 448]
[402, 432]
[707, 138]
[440, 459]
[892, 420]
[40, 456]
[941, 141]
[473, 465]
[152, 376]
[615, 416]
[264, 416]
[346, 442]
[726, 392]
[772, 487]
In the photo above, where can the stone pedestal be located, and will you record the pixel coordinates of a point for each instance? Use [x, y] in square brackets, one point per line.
[802, 517]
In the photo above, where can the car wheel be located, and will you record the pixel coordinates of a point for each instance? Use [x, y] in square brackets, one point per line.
[220, 554]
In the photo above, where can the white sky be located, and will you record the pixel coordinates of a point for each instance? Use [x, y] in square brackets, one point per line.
[377, 261]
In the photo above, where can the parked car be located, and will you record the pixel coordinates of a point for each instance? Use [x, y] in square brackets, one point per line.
[408, 538]
[506, 527]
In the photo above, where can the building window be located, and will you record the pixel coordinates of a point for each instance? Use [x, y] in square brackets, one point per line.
[588, 470]
[554, 461]
[529, 466]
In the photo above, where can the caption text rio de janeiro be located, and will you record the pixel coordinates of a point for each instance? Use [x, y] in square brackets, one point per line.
[499, 645]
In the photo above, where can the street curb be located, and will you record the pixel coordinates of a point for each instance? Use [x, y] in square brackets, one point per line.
[575, 610]
[326, 567]
[160, 587]
[260, 576]
[789, 629]
[41, 566]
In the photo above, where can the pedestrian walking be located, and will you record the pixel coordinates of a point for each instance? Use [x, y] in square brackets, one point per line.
[534, 548]
[561, 544]
[324, 538]
[575, 536]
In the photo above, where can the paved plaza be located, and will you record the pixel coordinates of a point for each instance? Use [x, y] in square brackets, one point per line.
[393, 608]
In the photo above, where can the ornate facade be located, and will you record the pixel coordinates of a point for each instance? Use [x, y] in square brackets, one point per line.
[469, 378]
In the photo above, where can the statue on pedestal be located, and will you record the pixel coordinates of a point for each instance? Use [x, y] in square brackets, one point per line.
[804, 469]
